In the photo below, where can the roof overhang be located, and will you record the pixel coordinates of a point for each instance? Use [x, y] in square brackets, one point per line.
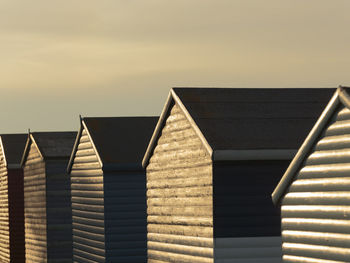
[3, 150]
[263, 154]
[340, 96]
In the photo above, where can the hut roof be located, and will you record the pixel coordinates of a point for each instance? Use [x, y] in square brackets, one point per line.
[118, 141]
[341, 96]
[51, 145]
[240, 123]
[13, 147]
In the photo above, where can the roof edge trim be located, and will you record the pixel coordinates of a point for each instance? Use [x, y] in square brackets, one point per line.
[262, 154]
[75, 147]
[92, 143]
[36, 145]
[193, 124]
[157, 130]
[304, 149]
[3, 151]
[172, 97]
[344, 96]
[25, 152]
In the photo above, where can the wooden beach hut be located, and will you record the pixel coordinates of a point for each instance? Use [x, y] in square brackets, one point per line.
[47, 204]
[314, 193]
[11, 198]
[109, 189]
[212, 163]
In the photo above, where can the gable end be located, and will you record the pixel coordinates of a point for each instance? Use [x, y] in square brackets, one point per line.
[288, 177]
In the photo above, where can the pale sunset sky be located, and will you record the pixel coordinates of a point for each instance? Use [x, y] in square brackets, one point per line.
[63, 58]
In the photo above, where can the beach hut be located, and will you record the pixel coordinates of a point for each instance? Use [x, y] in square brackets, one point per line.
[314, 193]
[211, 165]
[11, 198]
[47, 204]
[109, 189]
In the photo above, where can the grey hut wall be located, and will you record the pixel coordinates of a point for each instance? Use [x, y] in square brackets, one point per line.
[109, 210]
[125, 216]
[246, 223]
[35, 207]
[316, 208]
[179, 196]
[87, 204]
[59, 215]
[4, 211]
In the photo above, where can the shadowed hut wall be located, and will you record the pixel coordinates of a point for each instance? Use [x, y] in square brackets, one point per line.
[179, 196]
[16, 211]
[59, 215]
[35, 207]
[87, 204]
[125, 216]
[316, 208]
[4, 210]
[246, 223]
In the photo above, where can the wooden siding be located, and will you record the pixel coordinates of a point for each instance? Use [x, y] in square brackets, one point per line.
[316, 208]
[179, 196]
[59, 214]
[16, 212]
[35, 207]
[4, 210]
[125, 216]
[243, 208]
[87, 204]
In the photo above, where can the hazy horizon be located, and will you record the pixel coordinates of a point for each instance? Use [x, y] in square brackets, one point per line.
[60, 59]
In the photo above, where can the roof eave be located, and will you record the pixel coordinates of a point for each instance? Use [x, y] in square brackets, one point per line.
[254, 154]
[26, 150]
[294, 166]
[75, 148]
[3, 150]
[92, 143]
[157, 130]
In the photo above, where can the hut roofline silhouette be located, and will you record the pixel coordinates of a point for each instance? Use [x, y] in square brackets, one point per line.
[117, 141]
[341, 96]
[245, 123]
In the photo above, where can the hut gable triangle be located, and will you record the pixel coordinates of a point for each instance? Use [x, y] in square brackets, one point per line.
[340, 97]
[29, 142]
[76, 145]
[13, 146]
[171, 100]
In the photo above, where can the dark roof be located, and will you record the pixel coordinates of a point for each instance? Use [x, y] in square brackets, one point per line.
[13, 147]
[51, 145]
[119, 140]
[254, 118]
[55, 144]
[248, 119]
[341, 96]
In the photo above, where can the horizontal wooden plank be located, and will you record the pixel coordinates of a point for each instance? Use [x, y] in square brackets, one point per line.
[196, 231]
[178, 258]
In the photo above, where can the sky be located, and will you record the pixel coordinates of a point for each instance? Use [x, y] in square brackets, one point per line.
[61, 58]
